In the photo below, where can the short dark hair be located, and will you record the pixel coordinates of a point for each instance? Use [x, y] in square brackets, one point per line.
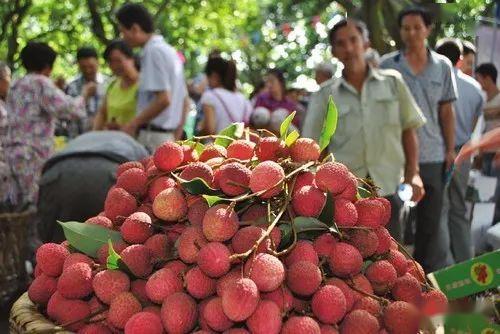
[131, 13]
[37, 56]
[225, 69]
[451, 48]
[86, 52]
[120, 45]
[360, 25]
[422, 12]
[488, 70]
[468, 48]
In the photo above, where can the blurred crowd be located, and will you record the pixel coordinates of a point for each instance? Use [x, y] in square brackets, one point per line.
[402, 119]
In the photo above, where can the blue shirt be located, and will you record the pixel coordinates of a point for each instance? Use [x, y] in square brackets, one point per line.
[430, 88]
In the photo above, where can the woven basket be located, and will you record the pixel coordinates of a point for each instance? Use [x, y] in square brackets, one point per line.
[25, 318]
[13, 234]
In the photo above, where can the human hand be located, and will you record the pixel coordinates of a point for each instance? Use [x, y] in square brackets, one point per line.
[89, 90]
[418, 187]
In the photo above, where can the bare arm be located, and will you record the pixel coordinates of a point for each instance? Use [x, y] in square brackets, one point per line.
[447, 120]
[161, 101]
[100, 118]
[185, 110]
[411, 172]
[209, 120]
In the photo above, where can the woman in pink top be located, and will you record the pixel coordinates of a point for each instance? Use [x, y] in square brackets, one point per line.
[275, 96]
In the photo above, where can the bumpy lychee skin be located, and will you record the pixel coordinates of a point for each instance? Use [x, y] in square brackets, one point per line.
[346, 291]
[351, 189]
[303, 278]
[359, 322]
[100, 220]
[416, 270]
[401, 318]
[50, 258]
[119, 203]
[240, 299]
[213, 151]
[108, 284]
[196, 210]
[198, 284]
[137, 258]
[332, 177]
[384, 240]
[323, 244]
[179, 313]
[345, 213]
[158, 185]
[241, 149]
[95, 328]
[407, 289]
[304, 179]
[303, 251]
[162, 284]
[68, 311]
[370, 305]
[233, 331]
[304, 150]
[254, 212]
[144, 322]
[168, 156]
[213, 314]
[266, 319]
[308, 201]
[103, 252]
[234, 178]
[366, 241]
[245, 239]
[434, 302]
[345, 260]
[271, 148]
[138, 289]
[177, 266]
[137, 228]
[360, 282]
[189, 244]
[327, 329]
[370, 212]
[198, 170]
[77, 258]
[266, 271]
[381, 275]
[265, 176]
[300, 325]
[213, 259]
[76, 281]
[42, 288]
[398, 260]
[122, 308]
[281, 297]
[127, 165]
[170, 205]
[159, 246]
[224, 281]
[190, 154]
[386, 216]
[134, 181]
[329, 304]
[220, 223]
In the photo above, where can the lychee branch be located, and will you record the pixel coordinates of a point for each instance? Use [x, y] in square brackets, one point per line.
[403, 249]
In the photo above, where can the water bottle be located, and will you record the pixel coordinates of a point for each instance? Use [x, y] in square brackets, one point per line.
[405, 193]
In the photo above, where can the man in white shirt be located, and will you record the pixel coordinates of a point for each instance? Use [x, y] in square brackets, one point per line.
[162, 88]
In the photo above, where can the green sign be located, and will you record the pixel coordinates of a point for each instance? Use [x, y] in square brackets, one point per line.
[469, 324]
[469, 277]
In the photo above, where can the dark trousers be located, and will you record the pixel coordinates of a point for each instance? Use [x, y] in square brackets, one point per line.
[430, 250]
[394, 225]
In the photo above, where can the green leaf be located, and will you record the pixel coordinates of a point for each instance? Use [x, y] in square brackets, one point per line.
[113, 259]
[327, 214]
[198, 147]
[233, 131]
[329, 125]
[307, 226]
[286, 124]
[292, 137]
[286, 236]
[363, 193]
[197, 186]
[88, 238]
[212, 200]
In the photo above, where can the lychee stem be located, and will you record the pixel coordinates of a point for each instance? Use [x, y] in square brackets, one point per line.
[403, 249]
[381, 300]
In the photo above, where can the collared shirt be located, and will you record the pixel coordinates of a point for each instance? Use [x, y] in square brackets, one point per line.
[468, 106]
[75, 89]
[368, 138]
[430, 88]
[162, 70]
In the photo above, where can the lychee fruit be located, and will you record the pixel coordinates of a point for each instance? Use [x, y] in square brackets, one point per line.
[300, 325]
[50, 258]
[190, 154]
[323, 244]
[407, 288]
[303, 251]
[246, 237]
[234, 178]
[214, 316]
[137, 258]
[198, 170]
[370, 212]
[303, 278]
[75, 281]
[95, 328]
[144, 322]
[271, 148]
[122, 308]
[127, 165]
[398, 260]
[170, 205]
[108, 284]
[224, 281]
[168, 156]
[119, 203]
[198, 284]
[434, 302]
[159, 246]
[329, 304]
[213, 151]
[366, 241]
[359, 322]
[345, 214]
[360, 282]
[266, 270]
[327, 329]
[304, 179]
[197, 208]
[213, 259]
[386, 216]
[345, 260]
[384, 240]
[103, 252]
[332, 177]
[346, 291]
[179, 313]
[308, 201]
[241, 149]
[304, 150]
[267, 177]
[401, 318]
[416, 270]
[281, 297]
[162, 284]
[176, 266]
[66, 311]
[266, 319]
[138, 289]
[77, 258]
[136, 229]
[351, 189]
[254, 212]
[134, 181]
[220, 223]
[240, 299]
[189, 244]
[42, 288]
[158, 185]
[101, 221]
[381, 275]
[370, 305]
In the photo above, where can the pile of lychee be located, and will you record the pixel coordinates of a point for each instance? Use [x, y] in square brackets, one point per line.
[187, 267]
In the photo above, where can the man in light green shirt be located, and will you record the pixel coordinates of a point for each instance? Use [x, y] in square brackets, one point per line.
[378, 116]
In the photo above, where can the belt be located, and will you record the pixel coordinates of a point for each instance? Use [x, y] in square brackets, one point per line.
[155, 128]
